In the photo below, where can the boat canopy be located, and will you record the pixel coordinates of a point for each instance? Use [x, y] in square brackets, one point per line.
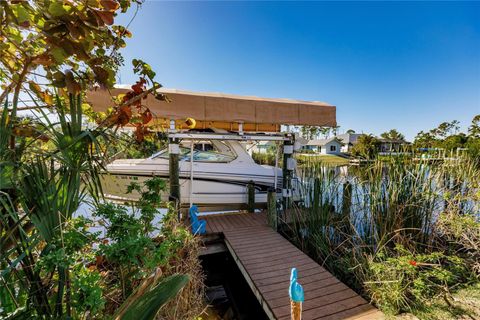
[226, 111]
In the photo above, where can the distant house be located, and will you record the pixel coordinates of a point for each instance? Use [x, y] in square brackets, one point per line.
[325, 146]
[392, 145]
[348, 140]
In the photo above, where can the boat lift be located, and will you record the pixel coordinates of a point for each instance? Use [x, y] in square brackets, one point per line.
[174, 138]
[247, 115]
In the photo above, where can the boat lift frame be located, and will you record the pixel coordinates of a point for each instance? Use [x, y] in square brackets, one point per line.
[174, 138]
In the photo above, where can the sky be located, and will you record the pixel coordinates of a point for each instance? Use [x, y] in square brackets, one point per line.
[403, 65]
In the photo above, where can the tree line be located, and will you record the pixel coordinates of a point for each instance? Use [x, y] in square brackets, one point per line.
[448, 137]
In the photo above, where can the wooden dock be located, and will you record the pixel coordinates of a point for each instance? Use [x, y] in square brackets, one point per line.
[265, 259]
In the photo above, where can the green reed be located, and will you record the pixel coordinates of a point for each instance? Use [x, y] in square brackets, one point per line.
[347, 216]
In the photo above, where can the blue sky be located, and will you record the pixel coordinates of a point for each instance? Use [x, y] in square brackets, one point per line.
[409, 65]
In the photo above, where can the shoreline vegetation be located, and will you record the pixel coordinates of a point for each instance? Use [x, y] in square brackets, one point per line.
[54, 264]
[52, 150]
[404, 234]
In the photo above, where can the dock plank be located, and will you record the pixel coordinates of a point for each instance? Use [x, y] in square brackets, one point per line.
[265, 259]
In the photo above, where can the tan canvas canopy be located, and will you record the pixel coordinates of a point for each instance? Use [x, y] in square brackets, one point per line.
[226, 110]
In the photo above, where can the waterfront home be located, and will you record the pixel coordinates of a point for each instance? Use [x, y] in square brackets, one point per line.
[392, 145]
[325, 146]
[348, 140]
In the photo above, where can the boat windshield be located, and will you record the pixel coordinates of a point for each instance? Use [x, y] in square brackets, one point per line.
[203, 151]
[211, 156]
[164, 154]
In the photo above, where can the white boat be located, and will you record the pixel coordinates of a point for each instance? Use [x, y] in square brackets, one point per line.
[220, 174]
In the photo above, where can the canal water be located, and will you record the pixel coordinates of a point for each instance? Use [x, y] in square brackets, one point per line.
[227, 291]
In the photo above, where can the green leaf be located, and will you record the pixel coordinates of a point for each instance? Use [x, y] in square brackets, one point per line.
[6, 175]
[147, 305]
[57, 9]
[21, 13]
[59, 55]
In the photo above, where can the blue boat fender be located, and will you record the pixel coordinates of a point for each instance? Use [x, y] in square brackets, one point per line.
[198, 226]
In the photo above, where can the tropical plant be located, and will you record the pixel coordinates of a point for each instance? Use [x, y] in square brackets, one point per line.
[310, 132]
[41, 39]
[445, 129]
[47, 189]
[424, 140]
[137, 243]
[48, 267]
[453, 142]
[146, 303]
[51, 51]
[474, 129]
[393, 134]
[473, 142]
[366, 146]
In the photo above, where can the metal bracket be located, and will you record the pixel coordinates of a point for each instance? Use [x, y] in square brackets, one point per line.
[173, 148]
[291, 164]
[286, 193]
[288, 149]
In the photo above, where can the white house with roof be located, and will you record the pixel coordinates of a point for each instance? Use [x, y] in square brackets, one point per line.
[348, 140]
[325, 146]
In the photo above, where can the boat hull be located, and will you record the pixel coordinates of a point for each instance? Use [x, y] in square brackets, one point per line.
[204, 190]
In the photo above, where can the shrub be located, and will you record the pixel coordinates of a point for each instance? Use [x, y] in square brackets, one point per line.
[135, 248]
[402, 280]
[462, 234]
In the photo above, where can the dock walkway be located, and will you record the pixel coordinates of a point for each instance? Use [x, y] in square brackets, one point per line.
[265, 259]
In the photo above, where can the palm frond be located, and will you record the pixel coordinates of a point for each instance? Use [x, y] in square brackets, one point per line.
[147, 305]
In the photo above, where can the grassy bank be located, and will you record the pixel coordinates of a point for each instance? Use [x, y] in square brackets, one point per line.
[326, 159]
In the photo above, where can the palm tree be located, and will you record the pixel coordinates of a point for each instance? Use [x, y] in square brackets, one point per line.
[393, 134]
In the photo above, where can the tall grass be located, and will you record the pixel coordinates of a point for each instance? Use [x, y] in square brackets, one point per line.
[349, 219]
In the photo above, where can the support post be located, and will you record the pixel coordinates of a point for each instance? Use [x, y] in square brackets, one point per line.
[272, 208]
[174, 169]
[275, 174]
[287, 175]
[251, 196]
[191, 172]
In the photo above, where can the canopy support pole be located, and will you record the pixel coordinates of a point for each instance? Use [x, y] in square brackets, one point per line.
[275, 173]
[191, 172]
[173, 151]
[288, 168]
